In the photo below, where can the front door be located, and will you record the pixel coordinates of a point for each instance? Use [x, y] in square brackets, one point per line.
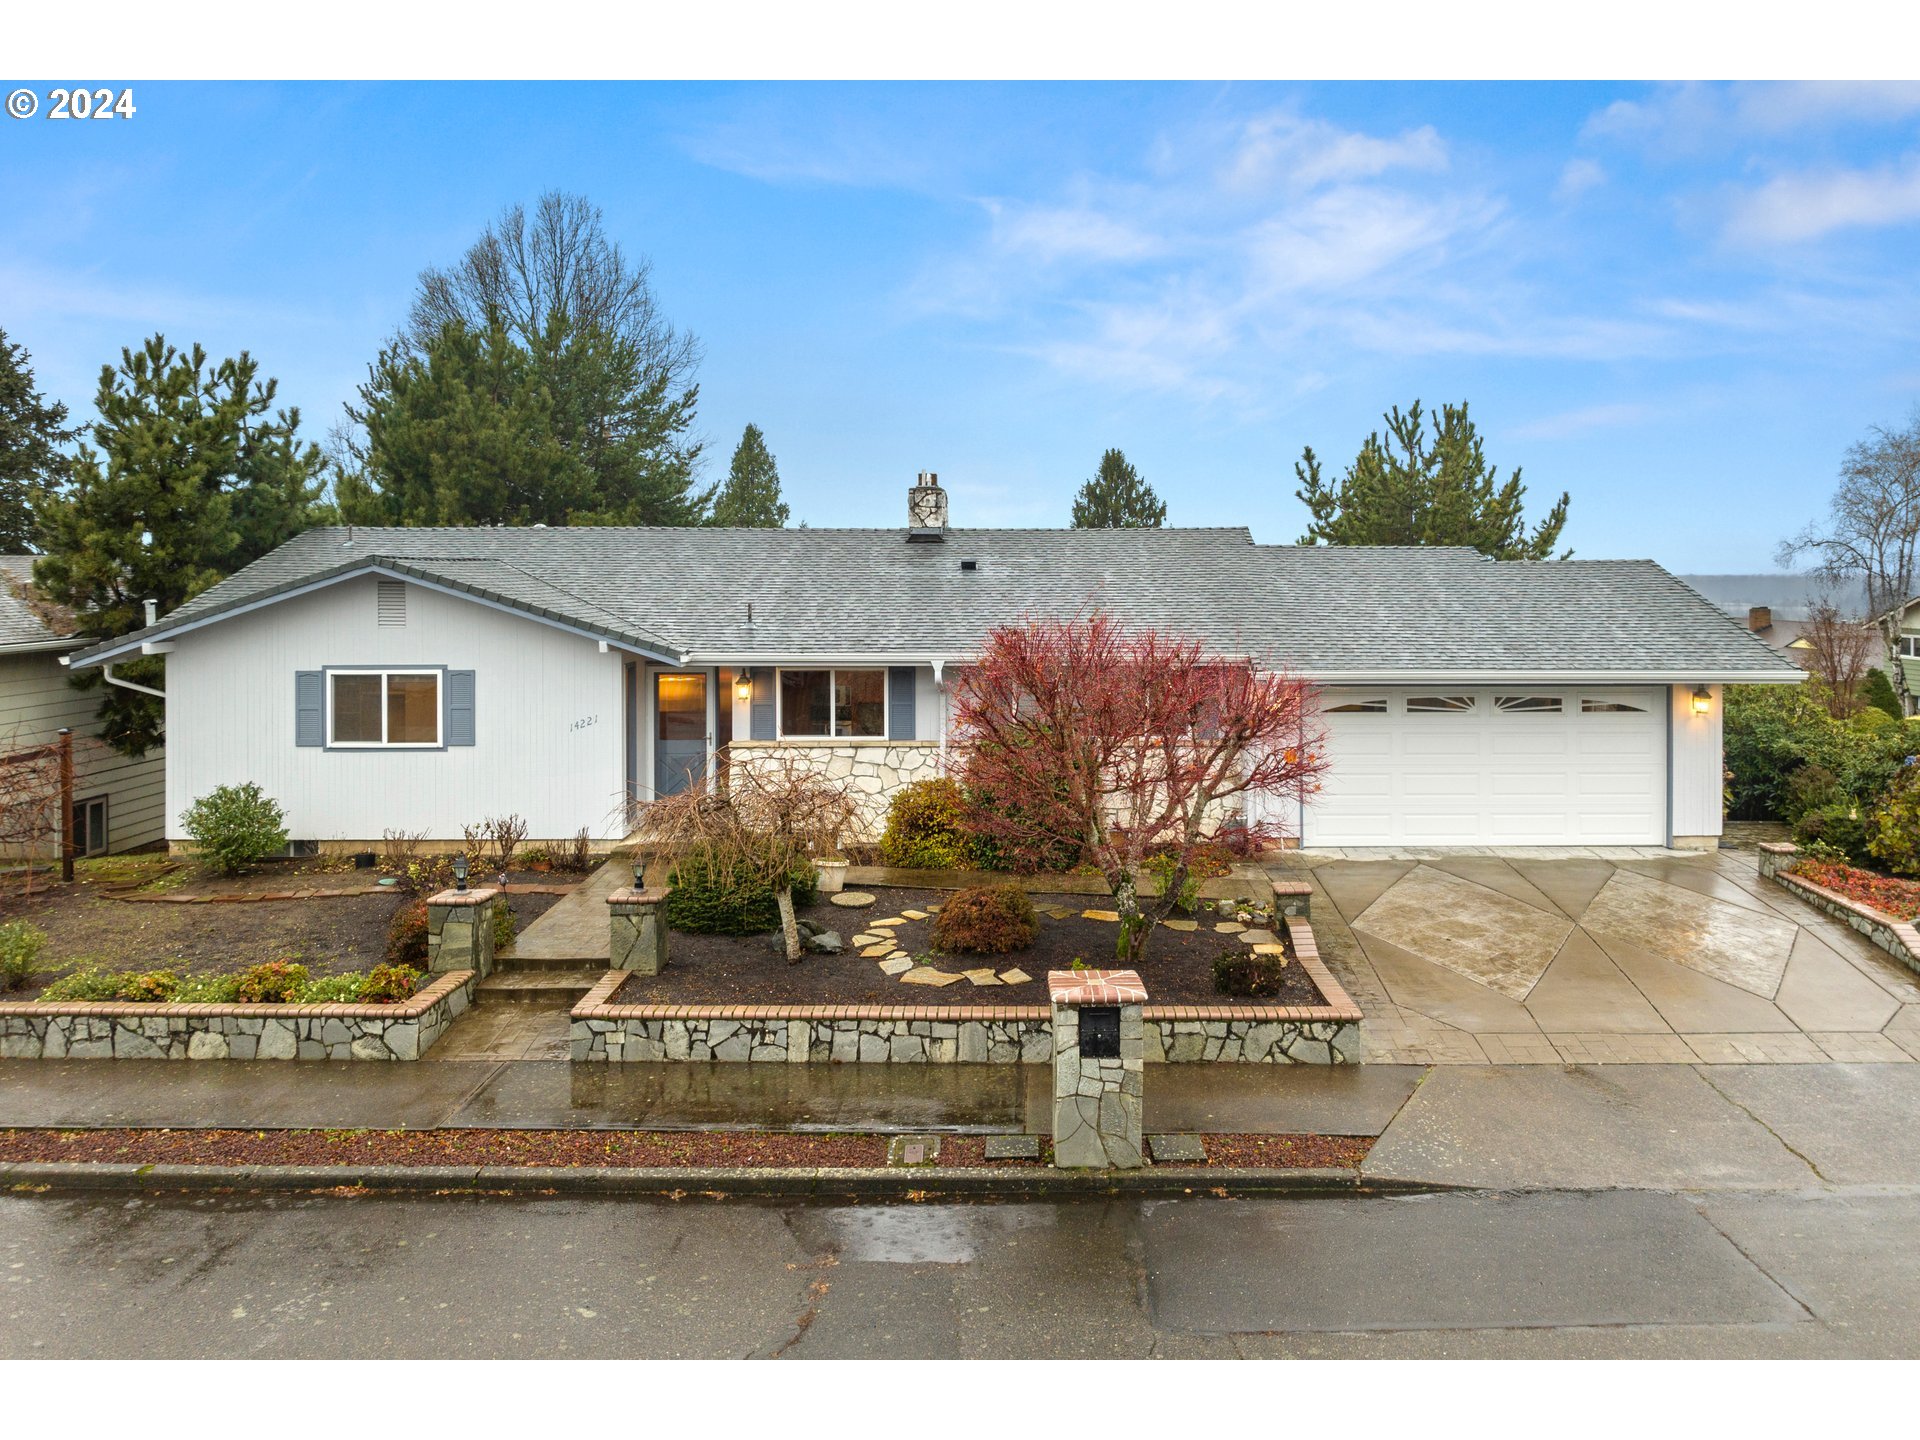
[680, 732]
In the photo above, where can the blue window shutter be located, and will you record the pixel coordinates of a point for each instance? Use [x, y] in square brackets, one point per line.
[760, 717]
[459, 707]
[309, 708]
[900, 687]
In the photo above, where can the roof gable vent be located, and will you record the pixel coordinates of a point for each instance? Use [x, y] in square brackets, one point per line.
[390, 602]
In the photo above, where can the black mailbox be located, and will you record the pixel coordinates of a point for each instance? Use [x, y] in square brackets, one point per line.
[1100, 1032]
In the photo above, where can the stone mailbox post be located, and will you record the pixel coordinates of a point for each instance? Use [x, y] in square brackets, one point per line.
[1098, 1059]
[637, 931]
[460, 930]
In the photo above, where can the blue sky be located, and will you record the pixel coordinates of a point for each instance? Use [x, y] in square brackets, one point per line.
[1679, 303]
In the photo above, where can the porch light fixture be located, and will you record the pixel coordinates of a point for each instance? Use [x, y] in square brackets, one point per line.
[1702, 700]
[743, 685]
[460, 872]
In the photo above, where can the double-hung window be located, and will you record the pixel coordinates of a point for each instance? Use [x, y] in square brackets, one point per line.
[383, 707]
[833, 704]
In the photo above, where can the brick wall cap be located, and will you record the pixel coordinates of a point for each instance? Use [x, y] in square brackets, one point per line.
[1095, 987]
[1293, 887]
[463, 897]
[652, 895]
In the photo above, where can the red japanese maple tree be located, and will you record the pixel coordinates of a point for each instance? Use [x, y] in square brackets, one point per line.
[1126, 745]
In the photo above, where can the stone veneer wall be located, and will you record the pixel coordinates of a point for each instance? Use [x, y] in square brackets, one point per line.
[1897, 937]
[66, 1030]
[1248, 1033]
[874, 769]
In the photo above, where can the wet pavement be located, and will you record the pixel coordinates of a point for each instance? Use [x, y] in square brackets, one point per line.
[1639, 1273]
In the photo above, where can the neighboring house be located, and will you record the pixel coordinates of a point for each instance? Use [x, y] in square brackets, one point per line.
[1777, 608]
[1906, 648]
[421, 679]
[118, 802]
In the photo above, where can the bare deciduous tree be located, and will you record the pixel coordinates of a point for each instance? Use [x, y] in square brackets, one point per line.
[1840, 651]
[526, 269]
[1872, 533]
[29, 805]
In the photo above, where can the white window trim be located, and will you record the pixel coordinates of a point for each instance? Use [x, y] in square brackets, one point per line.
[1907, 647]
[780, 701]
[439, 707]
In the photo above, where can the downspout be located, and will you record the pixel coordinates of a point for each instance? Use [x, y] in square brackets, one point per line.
[940, 689]
[106, 674]
[1670, 725]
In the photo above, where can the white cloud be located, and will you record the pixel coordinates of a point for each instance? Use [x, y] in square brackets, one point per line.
[1578, 177]
[1809, 204]
[1069, 232]
[1683, 119]
[1282, 148]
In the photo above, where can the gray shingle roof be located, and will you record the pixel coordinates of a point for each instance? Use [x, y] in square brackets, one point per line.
[24, 625]
[686, 593]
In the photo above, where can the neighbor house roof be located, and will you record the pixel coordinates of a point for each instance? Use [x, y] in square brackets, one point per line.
[26, 621]
[742, 596]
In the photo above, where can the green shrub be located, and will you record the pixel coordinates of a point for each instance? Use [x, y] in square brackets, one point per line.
[1812, 787]
[1895, 825]
[20, 945]
[713, 894]
[1841, 827]
[151, 987]
[505, 923]
[389, 984]
[987, 920]
[407, 934]
[331, 990]
[1773, 731]
[1240, 972]
[1879, 693]
[235, 826]
[208, 990]
[926, 827]
[275, 982]
[89, 983]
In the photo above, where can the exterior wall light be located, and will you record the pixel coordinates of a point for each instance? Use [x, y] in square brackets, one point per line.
[743, 685]
[1702, 700]
[460, 872]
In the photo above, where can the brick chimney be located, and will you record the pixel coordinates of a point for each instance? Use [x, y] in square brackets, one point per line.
[926, 511]
[1759, 617]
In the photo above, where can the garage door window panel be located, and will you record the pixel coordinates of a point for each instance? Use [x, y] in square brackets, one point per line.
[1440, 705]
[1527, 704]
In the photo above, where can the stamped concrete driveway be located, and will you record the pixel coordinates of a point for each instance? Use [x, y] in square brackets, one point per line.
[1504, 959]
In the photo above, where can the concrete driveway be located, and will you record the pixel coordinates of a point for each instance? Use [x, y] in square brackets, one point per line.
[1461, 958]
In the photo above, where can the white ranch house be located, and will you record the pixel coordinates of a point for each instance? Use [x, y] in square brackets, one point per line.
[375, 679]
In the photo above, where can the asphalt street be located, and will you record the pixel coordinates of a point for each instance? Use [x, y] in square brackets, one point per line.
[1752, 1272]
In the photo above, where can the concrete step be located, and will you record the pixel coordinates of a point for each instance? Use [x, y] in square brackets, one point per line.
[551, 987]
[547, 964]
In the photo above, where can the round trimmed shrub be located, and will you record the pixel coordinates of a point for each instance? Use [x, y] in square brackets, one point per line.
[926, 827]
[235, 826]
[1241, 973]
[276, 982]
[987, 920]
[1839, 827]
[389, 984]
[711, 895]
[407, 934]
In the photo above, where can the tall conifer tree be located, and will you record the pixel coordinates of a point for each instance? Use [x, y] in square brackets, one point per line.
[32, 430]
[751, 494]
[1117, 498]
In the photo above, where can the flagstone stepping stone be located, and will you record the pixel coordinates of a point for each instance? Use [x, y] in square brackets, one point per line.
[1258, 937]
[1108, 915]
[1014, 977]
[874, 952]
[981, 977]
[867, 938]
[1181, 925]
[886, 924]
[914, 914]
[851, 899]
[1229, 927]
[927, 975]
[897, 965]
[1279, 950]
[1059, 912]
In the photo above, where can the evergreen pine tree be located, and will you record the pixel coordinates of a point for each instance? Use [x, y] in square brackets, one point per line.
[31, 434]
[1117, 499]
[191, 480]
[1407, 489]
[1878, 692]
[751, 494]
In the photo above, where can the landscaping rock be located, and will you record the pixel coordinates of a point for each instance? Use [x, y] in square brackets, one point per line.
[897, 966]
[1177, 1150]
[826, 942]
[1013, 1147]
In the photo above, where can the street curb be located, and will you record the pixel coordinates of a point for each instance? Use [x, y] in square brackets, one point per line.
[981, 1181]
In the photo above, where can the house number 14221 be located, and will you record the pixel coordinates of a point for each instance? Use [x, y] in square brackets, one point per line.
[584, 721]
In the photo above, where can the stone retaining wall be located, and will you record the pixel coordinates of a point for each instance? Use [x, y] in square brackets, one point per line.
[1897, 937]
[873, 770]
[1248, 1033]
[68, 1030]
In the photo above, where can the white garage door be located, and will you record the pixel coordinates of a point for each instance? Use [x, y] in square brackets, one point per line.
[1509, 766]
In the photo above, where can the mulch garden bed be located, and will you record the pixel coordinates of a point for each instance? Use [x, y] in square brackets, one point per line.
[753, 970]
[693, 1149]
[328, 936]
[1890, 896]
